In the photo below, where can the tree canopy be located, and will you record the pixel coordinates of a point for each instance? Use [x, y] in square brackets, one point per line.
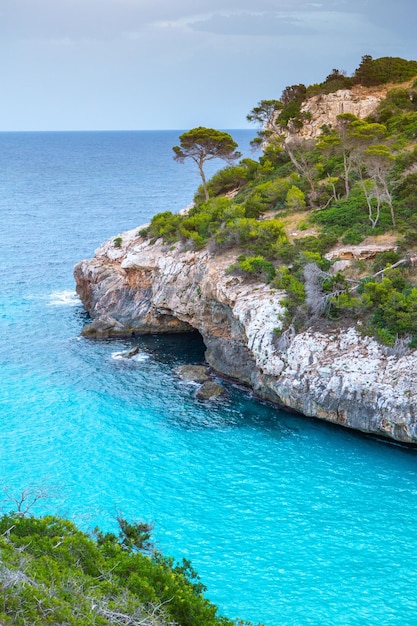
[205, 144]
[384, 70]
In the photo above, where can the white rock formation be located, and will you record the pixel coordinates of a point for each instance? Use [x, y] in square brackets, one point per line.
[325, 108]
[340, 376]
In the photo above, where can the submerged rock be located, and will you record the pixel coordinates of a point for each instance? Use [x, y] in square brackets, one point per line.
[210, 390]
[194, 373]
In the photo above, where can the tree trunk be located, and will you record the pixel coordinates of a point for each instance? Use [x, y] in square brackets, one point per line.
[388, 197]
[346, 167]
[203, 178]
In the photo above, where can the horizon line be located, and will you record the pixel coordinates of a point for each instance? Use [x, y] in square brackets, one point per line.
[114, 130]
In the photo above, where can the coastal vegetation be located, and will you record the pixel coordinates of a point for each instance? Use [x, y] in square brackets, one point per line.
[309, 200]
[52, 573]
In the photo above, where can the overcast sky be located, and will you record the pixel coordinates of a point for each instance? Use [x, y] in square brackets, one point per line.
[176, 64]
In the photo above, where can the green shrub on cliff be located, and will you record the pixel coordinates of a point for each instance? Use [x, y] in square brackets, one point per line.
[204, 221]
[266, 196]
[393, 305]
[164, 225]
[254, 266]
[265, 238]
[223, 223]
[51, 573]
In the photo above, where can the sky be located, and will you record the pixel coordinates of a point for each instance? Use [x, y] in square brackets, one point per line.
[177, 64]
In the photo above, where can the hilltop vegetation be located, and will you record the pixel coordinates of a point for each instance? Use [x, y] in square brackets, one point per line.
[355, 183]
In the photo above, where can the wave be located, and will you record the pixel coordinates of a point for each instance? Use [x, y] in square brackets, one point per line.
[125, 355]
[64, 298]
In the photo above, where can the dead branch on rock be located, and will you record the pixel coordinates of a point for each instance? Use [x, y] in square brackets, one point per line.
[284, 340]
[317, 301]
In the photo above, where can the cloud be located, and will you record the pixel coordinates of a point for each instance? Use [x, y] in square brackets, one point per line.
[106, 19]
[176, 64]
[252, 24]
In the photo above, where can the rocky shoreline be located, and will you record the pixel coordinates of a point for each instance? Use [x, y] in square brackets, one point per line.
[339, 376]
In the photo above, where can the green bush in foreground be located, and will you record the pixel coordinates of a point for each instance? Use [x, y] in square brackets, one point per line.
[52, 573]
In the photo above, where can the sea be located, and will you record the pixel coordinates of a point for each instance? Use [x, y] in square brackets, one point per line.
[288, 520]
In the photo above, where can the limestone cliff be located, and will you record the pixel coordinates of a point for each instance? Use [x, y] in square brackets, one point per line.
[323, 109]
[340, 376]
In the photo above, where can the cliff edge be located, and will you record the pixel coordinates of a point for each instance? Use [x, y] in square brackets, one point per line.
[339, 376]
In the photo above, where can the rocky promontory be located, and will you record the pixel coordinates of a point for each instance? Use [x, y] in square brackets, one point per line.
[340, 376]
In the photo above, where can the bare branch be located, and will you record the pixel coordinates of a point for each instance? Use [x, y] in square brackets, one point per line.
[24, 500]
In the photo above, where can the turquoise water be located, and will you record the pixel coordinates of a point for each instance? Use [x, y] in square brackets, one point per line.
[288, 520]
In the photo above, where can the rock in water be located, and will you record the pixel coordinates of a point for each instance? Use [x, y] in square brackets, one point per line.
[104, 327]
[194, 373]
[129, 353]
[210, 390]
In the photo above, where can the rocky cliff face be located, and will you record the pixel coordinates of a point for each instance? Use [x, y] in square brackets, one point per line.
[324, 109]
[339, 376]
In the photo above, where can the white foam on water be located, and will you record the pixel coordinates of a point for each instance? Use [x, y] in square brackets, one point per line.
[64, 298]
[123, 356]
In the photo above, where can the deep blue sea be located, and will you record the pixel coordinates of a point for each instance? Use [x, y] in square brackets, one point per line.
[289, 521]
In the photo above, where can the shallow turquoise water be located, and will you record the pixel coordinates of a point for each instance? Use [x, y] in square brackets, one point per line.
[288, 520]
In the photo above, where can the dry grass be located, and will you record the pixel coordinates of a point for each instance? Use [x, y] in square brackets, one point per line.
[292, 223]
[388, 238]
[380, 90]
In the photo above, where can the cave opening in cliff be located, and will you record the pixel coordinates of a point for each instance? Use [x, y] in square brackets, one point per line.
[186, 347]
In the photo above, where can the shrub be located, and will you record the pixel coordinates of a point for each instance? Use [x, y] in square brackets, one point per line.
[334, 81]
[59, 575]
[354, 235]
[314, 257]
[255, 266]
[266, 238]
[292, 98]
[213, 216]
[290, 113]
[165, 225]
[267, 196]
[275, 154]
[351, 217]
[341, 215]
[385, 259]
[295, 199]
[397, 101]
[262, 238]
[315, 245]
[394, 305]
[407, 191]
[199, 225]
[405, 124]
[285, 279]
